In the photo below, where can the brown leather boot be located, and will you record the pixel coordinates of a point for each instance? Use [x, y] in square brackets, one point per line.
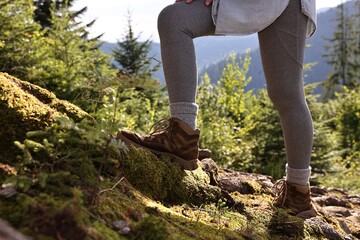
[295, 198]
[171, 137]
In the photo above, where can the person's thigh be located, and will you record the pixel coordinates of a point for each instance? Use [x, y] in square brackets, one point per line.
[178, 25]
[194, 20]
[282, 47]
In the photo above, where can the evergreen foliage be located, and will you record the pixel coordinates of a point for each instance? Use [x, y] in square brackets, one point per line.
[355, 36]
[225, 115]
[43, 10]
[343, 53]
[59, 58]
[132, 55]
[268, 148]
[72, 66]
[20, 38]
[347, 121]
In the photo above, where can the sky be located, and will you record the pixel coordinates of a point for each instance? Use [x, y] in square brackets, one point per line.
[111, 16]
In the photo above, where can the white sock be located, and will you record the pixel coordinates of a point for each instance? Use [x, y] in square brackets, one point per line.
[185, 111]
[298, 176]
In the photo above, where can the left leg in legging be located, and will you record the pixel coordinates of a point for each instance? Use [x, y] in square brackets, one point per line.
[282, 47]
[178, 25]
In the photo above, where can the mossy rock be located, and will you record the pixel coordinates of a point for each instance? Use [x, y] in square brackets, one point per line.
[26, 107]
[162, 180]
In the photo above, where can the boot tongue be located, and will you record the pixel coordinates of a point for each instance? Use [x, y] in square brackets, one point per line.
[184, 126]
[302, 189]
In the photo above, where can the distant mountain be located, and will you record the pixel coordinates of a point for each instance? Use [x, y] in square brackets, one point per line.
[220, 47]
[213, 51]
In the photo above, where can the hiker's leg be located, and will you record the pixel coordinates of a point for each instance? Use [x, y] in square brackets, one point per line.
[178, 25]
[282, 47]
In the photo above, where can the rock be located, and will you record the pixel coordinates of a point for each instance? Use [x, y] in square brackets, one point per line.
[326, 229]
[122, 227]
[245, 183]
[9, 233]
[336, 191]
[344, 227]
[354, 199]
[8, 190]
[26, 107]
[162, 180]
[316, 191]
[210, 167]
[335, 211]
[331, 201]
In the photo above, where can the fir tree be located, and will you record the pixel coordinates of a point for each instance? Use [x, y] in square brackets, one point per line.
[341, 55]
[132, 54]
[43, 8]
[355, 61]
[72, 66]
[20, 37]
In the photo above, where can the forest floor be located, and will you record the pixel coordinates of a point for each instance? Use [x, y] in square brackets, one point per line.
[119, 193]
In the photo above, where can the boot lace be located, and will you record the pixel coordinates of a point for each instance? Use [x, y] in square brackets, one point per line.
[281, 190]
[161, 126]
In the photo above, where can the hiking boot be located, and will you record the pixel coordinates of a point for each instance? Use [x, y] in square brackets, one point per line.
[295, 198]
[171, 137]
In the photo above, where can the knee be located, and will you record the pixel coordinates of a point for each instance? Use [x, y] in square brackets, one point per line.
[287, 102]
[169, 19]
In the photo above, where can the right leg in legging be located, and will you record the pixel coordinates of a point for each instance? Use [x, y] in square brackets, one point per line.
[282, 47]
[178, 25]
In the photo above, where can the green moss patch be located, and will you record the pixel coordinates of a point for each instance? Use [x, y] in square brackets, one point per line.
[160, 179]
[25, 107]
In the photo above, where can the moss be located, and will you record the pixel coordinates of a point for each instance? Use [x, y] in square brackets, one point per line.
[68, 109]
[25, 107]
[195, 189]
[112, 204]
[253, 187]
[282, 224]
[146, 172]
[104, 232]
[17, 210]
[202, 225]
[160, 179]
[151, 228]
[60, 218]
[153, 219]
[45, 216]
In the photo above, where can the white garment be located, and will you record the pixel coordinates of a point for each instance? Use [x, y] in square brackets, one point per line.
[243, 17]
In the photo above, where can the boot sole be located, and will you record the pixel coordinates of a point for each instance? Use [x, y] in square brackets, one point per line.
[312, 212]
[184, 164]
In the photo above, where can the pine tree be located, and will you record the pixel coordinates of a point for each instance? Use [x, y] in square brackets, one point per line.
[132, 54]
[355, 61]
[341, 55]
[43, 8]
[19, 39]
[72, 67]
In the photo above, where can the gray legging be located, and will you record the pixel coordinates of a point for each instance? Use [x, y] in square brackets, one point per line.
[282, 47]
